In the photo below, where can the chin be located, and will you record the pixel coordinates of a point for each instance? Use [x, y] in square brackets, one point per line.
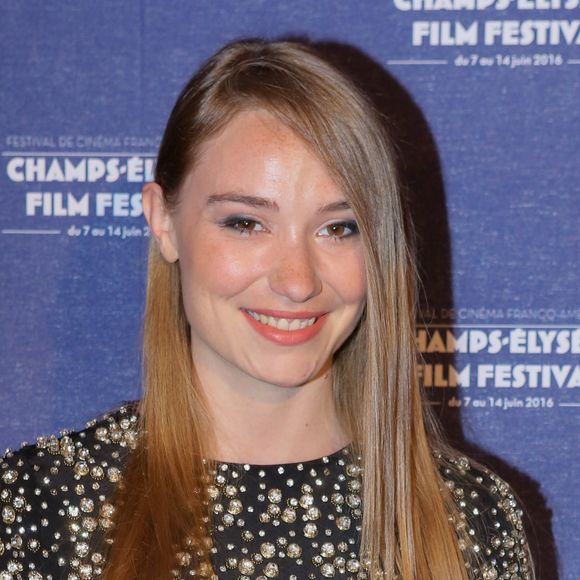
[291, 377]
[286, 381]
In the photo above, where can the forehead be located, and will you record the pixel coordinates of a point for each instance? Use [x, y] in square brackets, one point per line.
[257, 151]
[255, 126]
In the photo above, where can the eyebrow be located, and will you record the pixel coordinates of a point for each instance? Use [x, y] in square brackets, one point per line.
[263, 202]
[238, 197]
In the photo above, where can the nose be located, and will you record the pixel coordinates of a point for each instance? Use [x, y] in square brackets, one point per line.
[294, 274]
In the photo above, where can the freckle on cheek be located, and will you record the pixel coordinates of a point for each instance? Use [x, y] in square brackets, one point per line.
[223, 273]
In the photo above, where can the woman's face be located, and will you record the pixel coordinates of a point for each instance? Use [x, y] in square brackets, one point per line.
[271, 262]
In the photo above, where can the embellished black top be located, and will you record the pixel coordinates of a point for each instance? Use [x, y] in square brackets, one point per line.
[294, 521]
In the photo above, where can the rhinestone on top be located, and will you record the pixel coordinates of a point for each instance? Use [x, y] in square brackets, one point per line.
[299, 521]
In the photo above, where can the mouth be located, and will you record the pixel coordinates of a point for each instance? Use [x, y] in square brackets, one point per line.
[286, 328]
[288, 323]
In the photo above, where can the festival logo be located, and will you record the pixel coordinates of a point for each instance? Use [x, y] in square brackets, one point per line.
[508, 359]
[76, 186]
[506, 34]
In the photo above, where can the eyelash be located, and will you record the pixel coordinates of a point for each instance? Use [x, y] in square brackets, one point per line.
[234, 222]
[350, 224]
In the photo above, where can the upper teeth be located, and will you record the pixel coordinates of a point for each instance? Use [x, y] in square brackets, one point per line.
[282, 323]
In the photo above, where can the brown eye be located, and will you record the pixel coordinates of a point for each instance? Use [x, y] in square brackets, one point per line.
[337, 229]
[245, 226]
[340, 230]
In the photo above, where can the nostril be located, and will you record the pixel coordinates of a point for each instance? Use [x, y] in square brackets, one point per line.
[298, 281]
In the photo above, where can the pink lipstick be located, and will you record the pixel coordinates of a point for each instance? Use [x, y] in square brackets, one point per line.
[287, 337]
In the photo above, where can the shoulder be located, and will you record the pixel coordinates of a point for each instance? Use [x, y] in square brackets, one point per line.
[53, 494]
[491, 515]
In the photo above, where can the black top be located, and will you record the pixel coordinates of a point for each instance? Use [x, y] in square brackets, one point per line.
[293, 521]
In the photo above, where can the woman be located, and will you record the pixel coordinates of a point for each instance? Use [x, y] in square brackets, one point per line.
[282, 432]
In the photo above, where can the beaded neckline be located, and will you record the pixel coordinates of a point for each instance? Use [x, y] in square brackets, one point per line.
[294, 520]
[342, 453]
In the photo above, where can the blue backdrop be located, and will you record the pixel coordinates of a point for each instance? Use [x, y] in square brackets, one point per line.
[483, 99]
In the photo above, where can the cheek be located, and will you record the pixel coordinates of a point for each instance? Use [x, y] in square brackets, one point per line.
[349, 280]
[214, 268]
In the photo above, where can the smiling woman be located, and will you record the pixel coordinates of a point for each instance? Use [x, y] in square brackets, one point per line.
[282, 431]
[263, 264]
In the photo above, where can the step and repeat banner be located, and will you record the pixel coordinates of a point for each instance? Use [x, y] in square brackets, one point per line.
[483, 100]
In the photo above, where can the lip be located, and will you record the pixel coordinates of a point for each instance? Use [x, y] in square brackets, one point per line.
[288, 314]
[287, 337]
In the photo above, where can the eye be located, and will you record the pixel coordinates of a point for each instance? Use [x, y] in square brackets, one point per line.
[339, 230]
[245, 226]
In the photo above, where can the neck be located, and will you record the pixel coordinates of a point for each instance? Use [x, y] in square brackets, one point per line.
[260, 423]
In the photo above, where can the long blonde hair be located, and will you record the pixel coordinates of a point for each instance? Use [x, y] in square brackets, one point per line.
[162, 509]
